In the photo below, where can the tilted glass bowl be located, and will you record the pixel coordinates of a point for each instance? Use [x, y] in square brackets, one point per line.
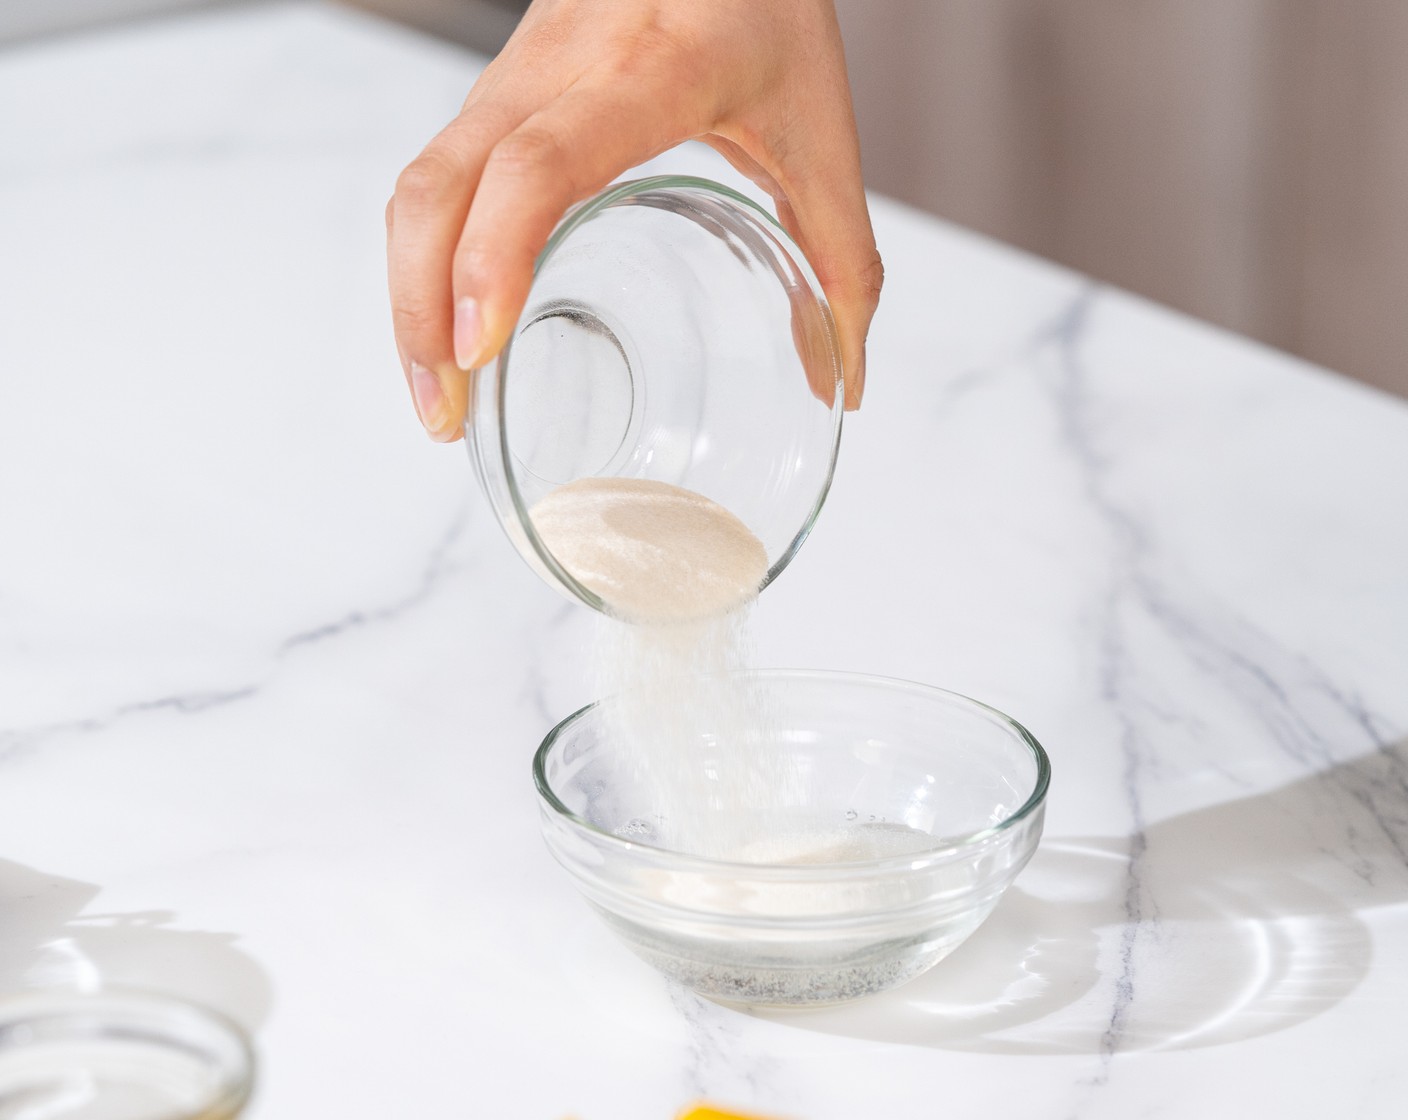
[674, 333]
[872, 756]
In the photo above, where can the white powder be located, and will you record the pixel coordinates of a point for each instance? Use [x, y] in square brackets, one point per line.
[823, 843]
[655, 553]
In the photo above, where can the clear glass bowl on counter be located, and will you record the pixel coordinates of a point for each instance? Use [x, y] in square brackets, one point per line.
[962, 785]
[674, 333]
[120, 1055]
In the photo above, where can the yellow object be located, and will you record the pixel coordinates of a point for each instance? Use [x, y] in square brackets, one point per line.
[708, 1112]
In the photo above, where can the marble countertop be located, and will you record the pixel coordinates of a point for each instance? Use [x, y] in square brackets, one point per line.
[270, 676]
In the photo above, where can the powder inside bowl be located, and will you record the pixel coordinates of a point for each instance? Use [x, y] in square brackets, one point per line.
[823, 843]
[653, 552]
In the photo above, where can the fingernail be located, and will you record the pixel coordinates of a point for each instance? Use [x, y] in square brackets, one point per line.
[431, 405]
[468, 327]
[860, 376]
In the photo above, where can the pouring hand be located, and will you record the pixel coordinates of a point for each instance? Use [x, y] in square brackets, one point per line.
[585, 90]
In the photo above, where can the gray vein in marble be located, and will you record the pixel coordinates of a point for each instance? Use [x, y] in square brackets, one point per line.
[1275, 686]
[717, 1067]
[438, 566]
[1127, 544]
[1028, 346]
[1316, 739]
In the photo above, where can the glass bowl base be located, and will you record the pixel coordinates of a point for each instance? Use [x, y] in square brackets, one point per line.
[775, 974]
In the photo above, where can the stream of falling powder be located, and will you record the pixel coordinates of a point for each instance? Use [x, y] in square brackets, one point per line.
[679, 573]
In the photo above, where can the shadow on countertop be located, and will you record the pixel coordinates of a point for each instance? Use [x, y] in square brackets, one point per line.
[49, 942]
[1236, 921]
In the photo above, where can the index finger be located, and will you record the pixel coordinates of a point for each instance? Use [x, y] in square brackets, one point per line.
[425, 217]
[562, 154]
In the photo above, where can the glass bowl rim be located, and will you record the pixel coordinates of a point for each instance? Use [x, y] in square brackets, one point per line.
[235, 1082]
[945, 849]
[577, 216]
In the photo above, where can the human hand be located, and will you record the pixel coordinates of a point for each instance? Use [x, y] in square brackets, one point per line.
[584, 90]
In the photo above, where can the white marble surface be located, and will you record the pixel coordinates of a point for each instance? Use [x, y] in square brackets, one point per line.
[270, 678]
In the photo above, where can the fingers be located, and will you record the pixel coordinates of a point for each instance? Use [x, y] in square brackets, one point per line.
[432, 196]
[827, 213]
[815, 181]
[424, 220]
[812, 345]
[809, 331]
[562, 154]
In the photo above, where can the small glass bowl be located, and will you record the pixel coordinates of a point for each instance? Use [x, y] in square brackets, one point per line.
[674, 333]
[873, 756]
[120, 1055]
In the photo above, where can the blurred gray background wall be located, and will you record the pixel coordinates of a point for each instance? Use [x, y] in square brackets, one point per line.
[1243, 160]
